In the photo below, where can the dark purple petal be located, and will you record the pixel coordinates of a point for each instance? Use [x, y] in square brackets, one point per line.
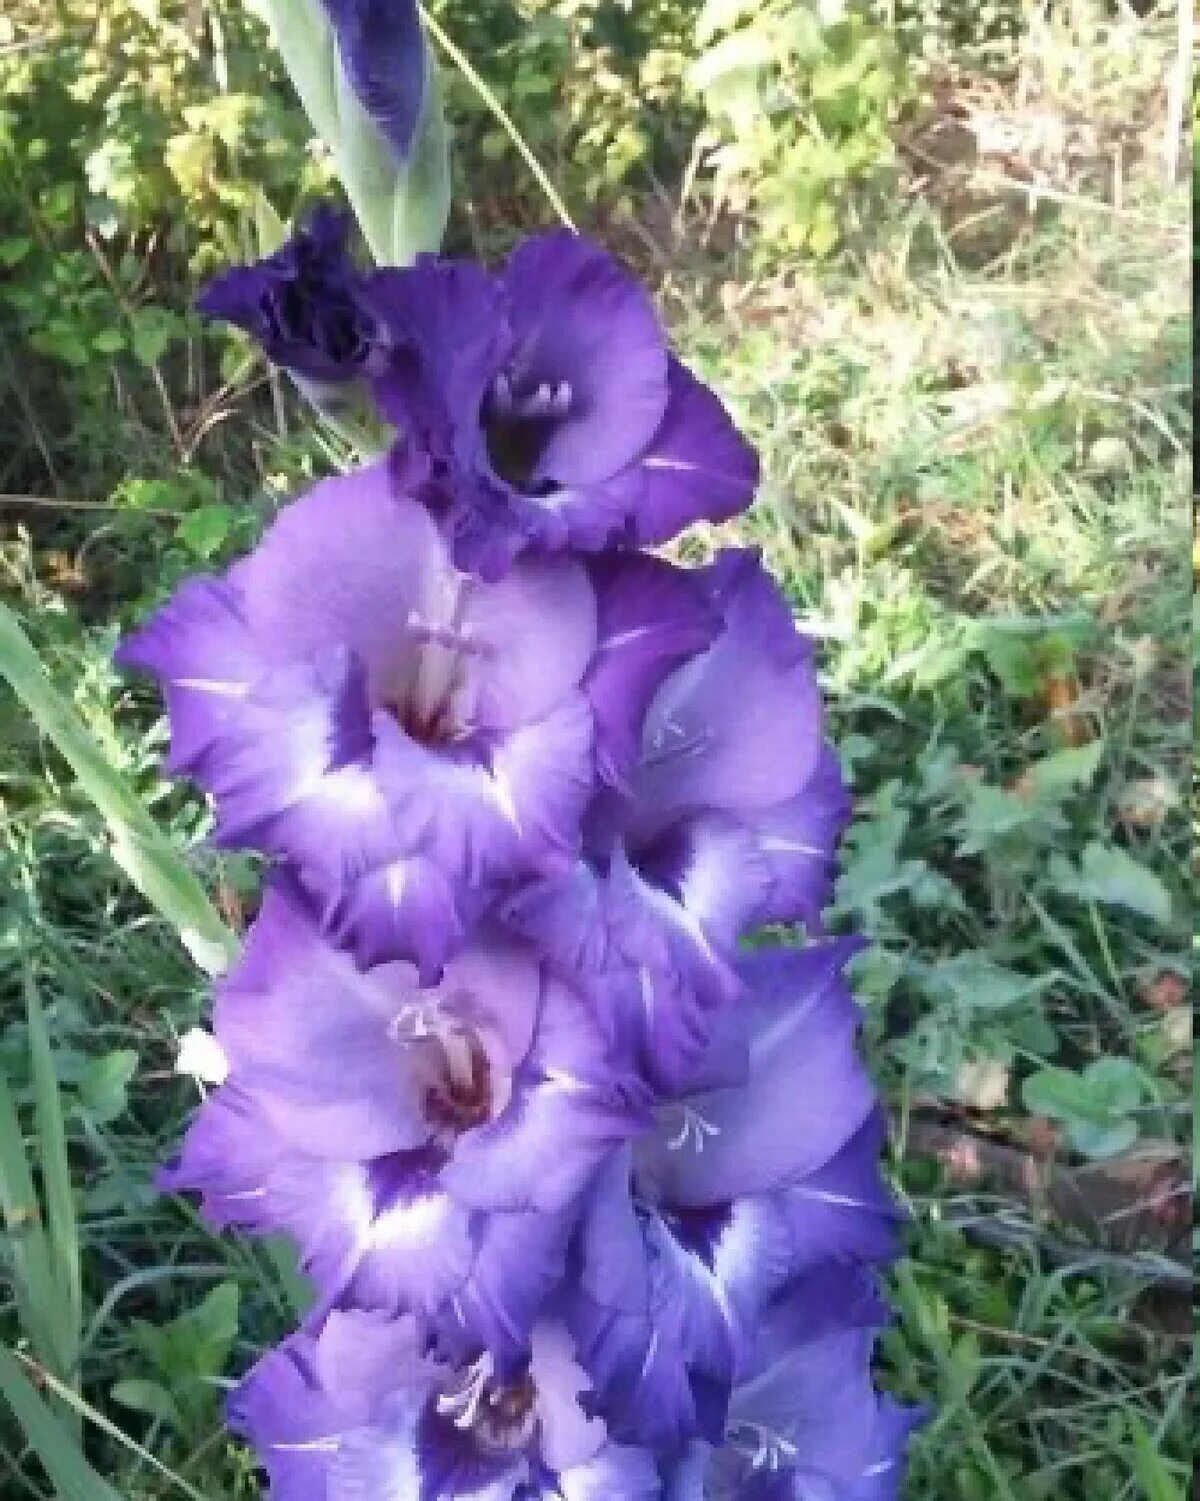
[407, 906]
[450, 1466]
[581, 321]
[843, 1210]
[739, 727]
[652, 1331]
[541, 411]
[518, 1263]
[698, 468]
[450, 329]
[652, 617]
[798, 840]
[711, 880]
[306, 304]
[671, 976]
[806, 1096]
[639, 955]
[806, 1401]
[382, 50]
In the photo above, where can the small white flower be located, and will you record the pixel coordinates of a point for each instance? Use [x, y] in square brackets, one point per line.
[202, 1057]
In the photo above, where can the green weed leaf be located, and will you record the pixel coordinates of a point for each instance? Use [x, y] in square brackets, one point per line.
[154, 865]
[1107, 874]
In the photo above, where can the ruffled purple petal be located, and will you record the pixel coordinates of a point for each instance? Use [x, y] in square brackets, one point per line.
[698, 468]
[648, 1319]
[737, 728]
[797, 840]
[201, 649]
[581, 320]
[302, 1402]
[377, 717]
[806, 1402]
[534, 634]
[307, 1035]
[844, 1210]
[652, 617]
[250, 1178]
[806, 1096]
[518, 1265]
[352, 563]
[450, 328]
[295, 745]
[540, 410]
[407, 906]
[306, 304]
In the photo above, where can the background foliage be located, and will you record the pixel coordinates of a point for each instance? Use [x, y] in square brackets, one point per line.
[934, 255]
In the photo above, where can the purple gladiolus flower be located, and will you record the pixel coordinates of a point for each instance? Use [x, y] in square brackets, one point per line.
[542, 408]
[590, 1193]
[767, 1169]
[406, 735]
[723, 814]
[382, 51]
[427, 1148]
[307, 305]
[805, 1421]
[363, 1411]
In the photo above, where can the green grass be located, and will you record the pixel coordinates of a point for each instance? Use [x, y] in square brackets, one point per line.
[977, 494]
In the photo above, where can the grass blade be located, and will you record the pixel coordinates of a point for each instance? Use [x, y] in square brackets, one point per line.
[97, 1419]
[139, 847]
[62, 1459]
[62, 1230]
[1157, 1482]
[28, 1245]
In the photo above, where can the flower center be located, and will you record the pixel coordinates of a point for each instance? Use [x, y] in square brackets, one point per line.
[501, 1418]
[462, 1097]
[434, 700]
[519, 416]
[764, 1449]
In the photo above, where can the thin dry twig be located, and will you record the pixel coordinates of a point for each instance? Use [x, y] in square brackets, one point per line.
[59, 503]
[1136, 1204]
[1036, 190]
[160, 385]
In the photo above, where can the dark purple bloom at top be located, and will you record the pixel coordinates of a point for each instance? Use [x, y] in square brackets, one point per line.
[405, 734]
[542, 408]
[382, 49]
[363, 1411]
[307, 304]
[722, 814]
[805, 1421]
